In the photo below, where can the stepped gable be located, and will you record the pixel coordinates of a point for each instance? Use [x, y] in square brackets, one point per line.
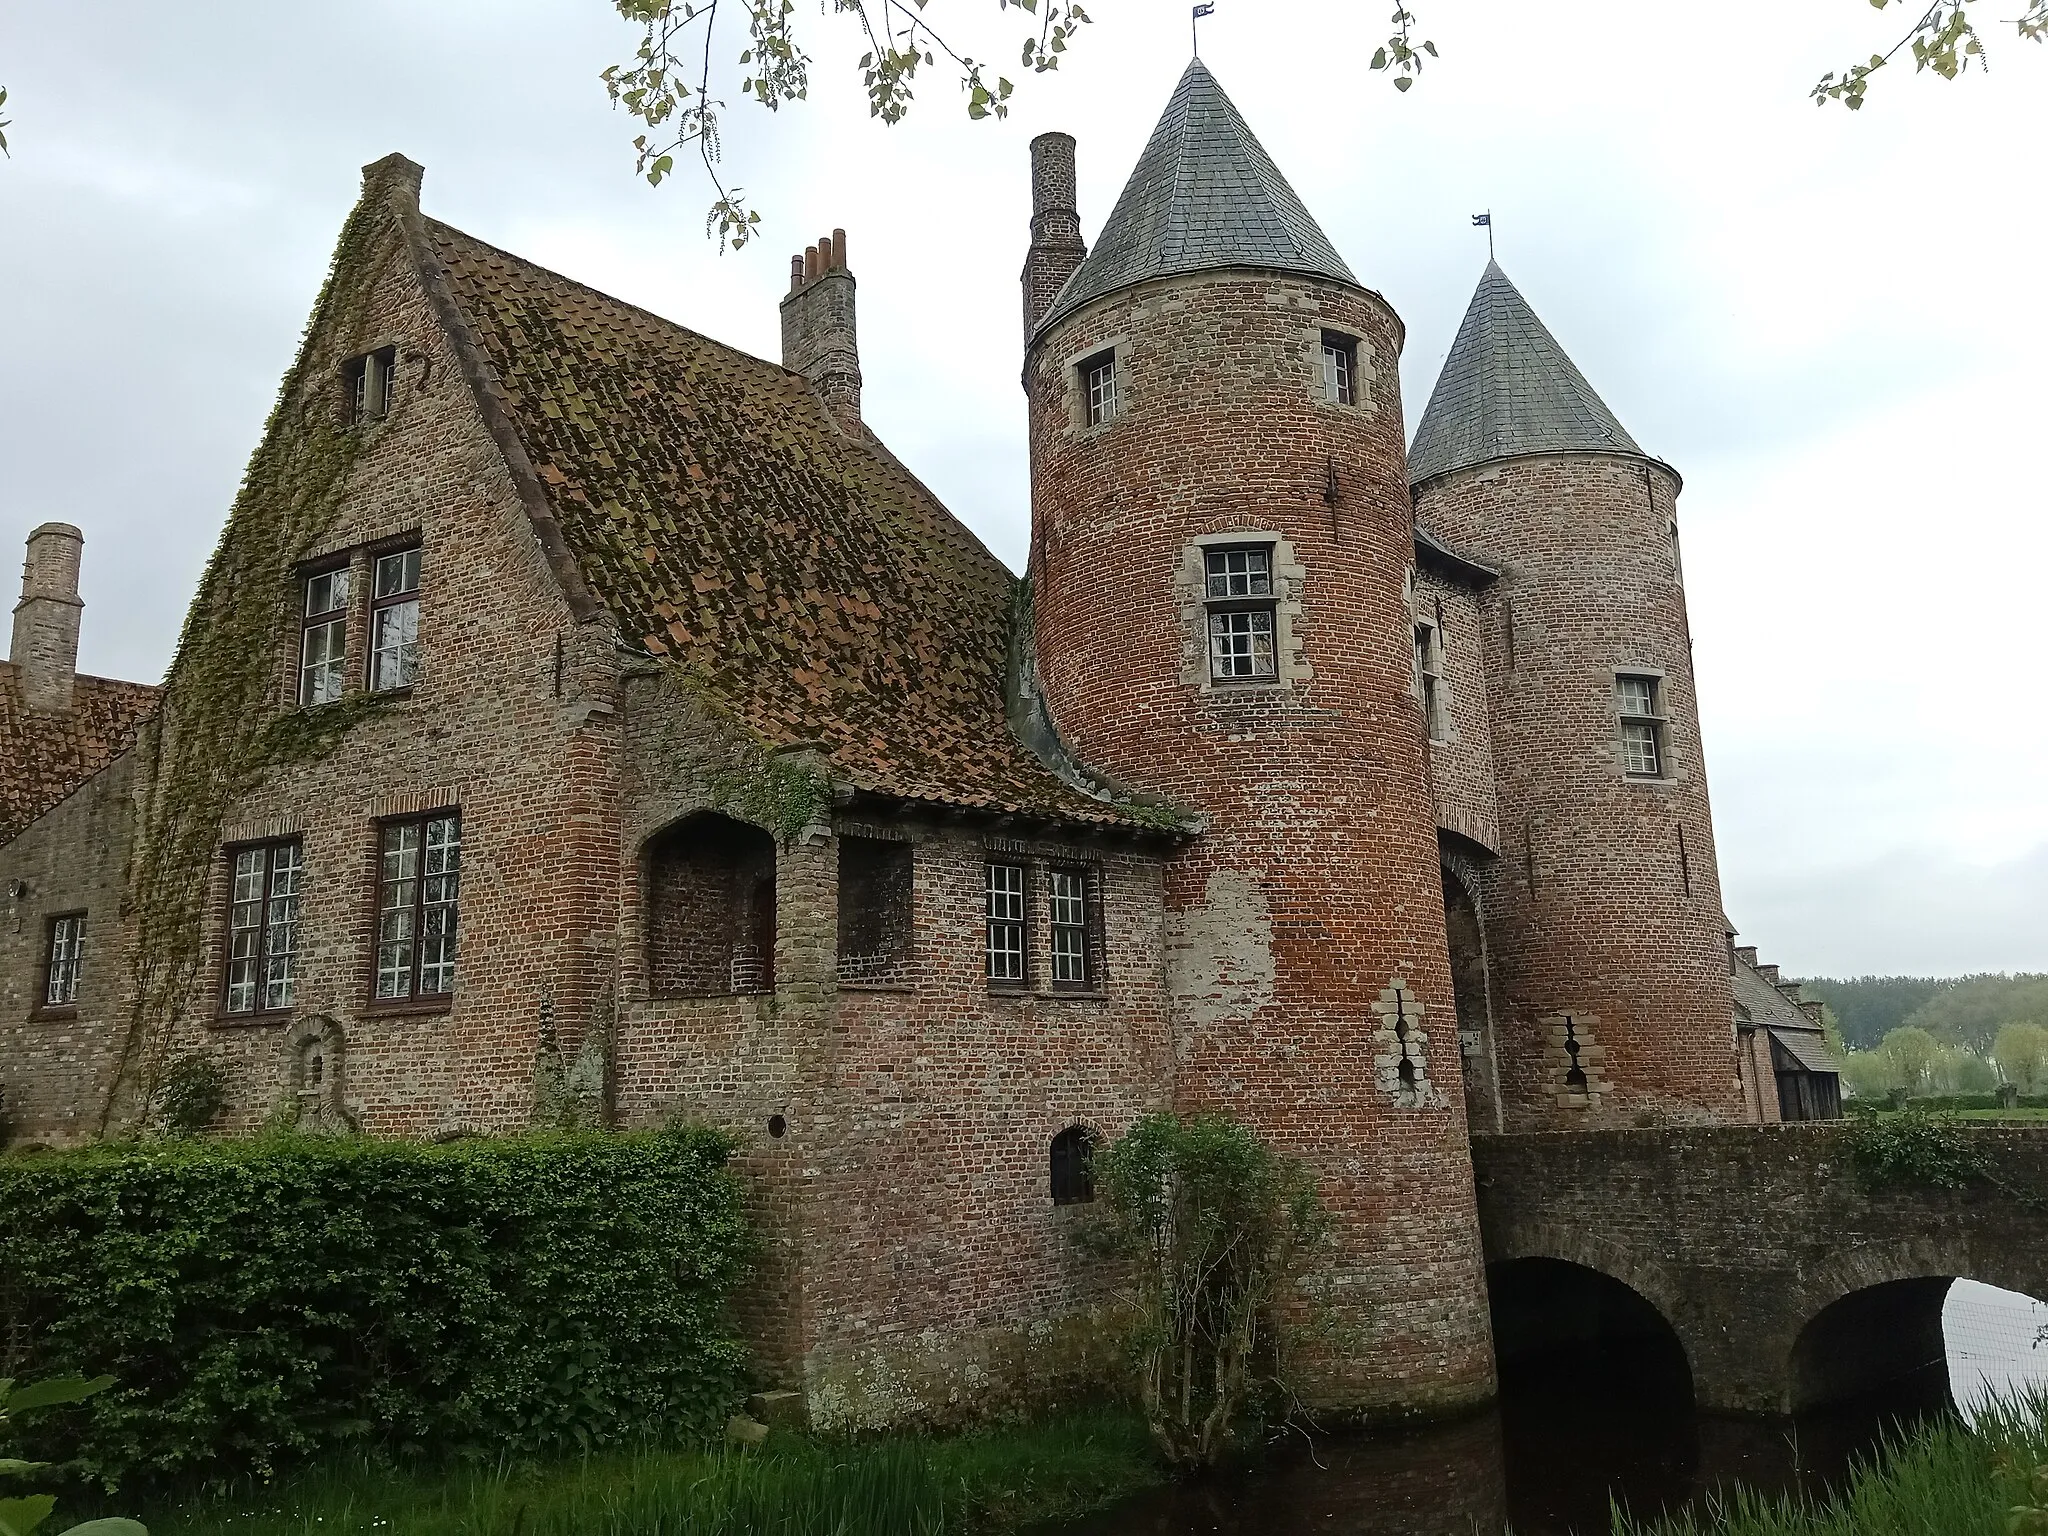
[1508, 389]
[717, 510]
[44, 757]
[1205, 194]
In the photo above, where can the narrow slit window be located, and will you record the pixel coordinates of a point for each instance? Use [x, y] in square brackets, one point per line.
[1242, 615]
[419, 878]
[323, 637]
[1429, 674]
[1005, 923]
[1068, 925]
[1643, 740]
[1340, 368]
[395, 622]
[264, 886]
[1099, 382]
[63, 960]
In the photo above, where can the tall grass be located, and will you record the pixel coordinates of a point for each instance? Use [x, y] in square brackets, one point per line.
[906, 1486]
[1943, 1479]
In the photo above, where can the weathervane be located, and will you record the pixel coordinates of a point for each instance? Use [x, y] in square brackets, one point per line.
[1194, 26]
[1485, 221]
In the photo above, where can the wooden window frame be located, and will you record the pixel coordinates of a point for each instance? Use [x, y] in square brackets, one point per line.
[1100, 409]
[43, 1008]
[376, 605]
[328, 618]
[414, 1001]
[1021, 982]
[269, 847]
[369, 384]
[1657, 721]
[1338, 363]
[1089, 927]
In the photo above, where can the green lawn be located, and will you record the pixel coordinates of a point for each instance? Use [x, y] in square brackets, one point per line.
[795, 1486]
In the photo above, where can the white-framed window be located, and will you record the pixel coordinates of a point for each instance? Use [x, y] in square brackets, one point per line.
[395, 621]
[419, 880]
[1099, 388]
[1429, 679]
[1238, 591]
[1005, 923]
[264, 884]
[369, 380]
[63, 959]
[1067, 925]
[323, 637]
[1340, 368]
[1639, 699]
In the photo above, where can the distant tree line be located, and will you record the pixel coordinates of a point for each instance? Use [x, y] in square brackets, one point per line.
[1938, 1035]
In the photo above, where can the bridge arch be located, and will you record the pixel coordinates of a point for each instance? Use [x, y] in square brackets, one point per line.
[1550, 1313]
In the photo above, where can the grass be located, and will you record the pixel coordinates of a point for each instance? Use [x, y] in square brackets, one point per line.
[795, 1486]
[1946, 1479]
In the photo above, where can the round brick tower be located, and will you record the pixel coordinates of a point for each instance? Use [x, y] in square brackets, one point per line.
[1604, 928]
[1221, 559]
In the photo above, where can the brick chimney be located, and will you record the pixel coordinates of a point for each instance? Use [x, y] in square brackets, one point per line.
[45, 649]
[1057, 248]
[818, 339]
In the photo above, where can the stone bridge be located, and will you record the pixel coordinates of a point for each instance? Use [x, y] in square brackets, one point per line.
[1790, 1279]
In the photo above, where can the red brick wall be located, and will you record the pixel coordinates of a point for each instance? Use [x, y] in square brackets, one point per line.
[1461, 764]
[1316, 885]
[1591, 909]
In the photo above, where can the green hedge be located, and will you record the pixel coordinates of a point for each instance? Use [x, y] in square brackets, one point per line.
[1936, 1102]
[263, 1302]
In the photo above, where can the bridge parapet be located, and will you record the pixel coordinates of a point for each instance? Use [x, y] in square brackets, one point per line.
[1742, 1236]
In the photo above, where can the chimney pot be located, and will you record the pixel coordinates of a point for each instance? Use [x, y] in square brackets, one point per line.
[819, 337]
[796, 273]
[45, 646]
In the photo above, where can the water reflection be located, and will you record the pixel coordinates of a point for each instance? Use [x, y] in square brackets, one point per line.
[1582, 1419]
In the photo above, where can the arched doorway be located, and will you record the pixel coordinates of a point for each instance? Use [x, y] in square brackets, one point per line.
[1471, 994]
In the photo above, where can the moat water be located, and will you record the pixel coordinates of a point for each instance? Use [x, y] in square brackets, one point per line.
[1573, 1434]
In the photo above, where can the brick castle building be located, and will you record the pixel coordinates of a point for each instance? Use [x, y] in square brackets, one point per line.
[582, 721]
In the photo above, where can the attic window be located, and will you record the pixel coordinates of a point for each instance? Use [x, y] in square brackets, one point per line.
[1099, 385]
[369, 380]
[1340, 368]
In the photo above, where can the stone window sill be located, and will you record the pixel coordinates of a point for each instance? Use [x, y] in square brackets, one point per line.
[65, 1014]
[408, 1007]
[225, 1020]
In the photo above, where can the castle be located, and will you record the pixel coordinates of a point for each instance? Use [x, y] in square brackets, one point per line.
[582, 721]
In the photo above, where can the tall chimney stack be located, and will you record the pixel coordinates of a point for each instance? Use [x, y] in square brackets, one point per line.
[818, 334]
[1057, 248]
[45, 649]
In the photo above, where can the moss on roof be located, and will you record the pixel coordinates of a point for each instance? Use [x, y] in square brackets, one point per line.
[719, 514]
[43, 758]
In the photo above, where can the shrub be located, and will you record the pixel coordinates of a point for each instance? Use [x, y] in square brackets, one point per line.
[1213, 1223]
[264, 1302]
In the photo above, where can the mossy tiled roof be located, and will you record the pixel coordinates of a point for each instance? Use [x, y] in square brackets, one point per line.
[718, 513]
[43, 758]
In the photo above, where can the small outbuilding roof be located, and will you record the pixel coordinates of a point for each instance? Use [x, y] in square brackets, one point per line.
[1507, 388]
[1205, 194]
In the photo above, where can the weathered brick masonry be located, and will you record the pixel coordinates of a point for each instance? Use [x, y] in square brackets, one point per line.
[748, 737]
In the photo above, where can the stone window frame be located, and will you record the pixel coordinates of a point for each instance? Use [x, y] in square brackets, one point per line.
[1191, 591]
[46, 966]
[415, 1001]
[1039, 861]
[1344, 347]
[1658, 721]
[1074, 373]
[369, 385]
[230, 852]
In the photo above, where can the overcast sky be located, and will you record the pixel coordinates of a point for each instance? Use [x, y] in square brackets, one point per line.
[1833, 325]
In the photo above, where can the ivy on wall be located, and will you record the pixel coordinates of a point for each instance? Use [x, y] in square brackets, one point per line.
[219, 732]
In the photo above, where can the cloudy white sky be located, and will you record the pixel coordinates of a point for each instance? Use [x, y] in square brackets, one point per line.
[1832, 325]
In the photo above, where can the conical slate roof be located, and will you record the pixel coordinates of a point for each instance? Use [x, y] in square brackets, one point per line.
[1507, 389]
[1205, 194]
